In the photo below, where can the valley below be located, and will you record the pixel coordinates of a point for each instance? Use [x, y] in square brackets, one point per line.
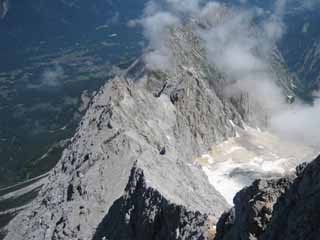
[156, 120]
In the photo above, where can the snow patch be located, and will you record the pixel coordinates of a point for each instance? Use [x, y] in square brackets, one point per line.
[227, 186]
[236, 163]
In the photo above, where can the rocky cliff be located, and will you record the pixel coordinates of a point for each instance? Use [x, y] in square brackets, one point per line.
[286, 208]
[129, 171]
[133, 154]
[300, 47]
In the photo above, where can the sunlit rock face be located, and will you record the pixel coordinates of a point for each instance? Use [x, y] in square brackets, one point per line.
[156, 124]
[130, 167]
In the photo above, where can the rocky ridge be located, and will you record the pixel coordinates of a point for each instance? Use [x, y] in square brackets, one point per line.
[158, 218]
[133, 154]
[157, 125]
[300, 47]
[309, 69]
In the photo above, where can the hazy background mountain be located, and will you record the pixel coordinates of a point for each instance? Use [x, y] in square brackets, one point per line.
[300, 46]
[300, 41]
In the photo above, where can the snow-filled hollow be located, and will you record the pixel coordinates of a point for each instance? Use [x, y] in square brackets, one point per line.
[252, 154]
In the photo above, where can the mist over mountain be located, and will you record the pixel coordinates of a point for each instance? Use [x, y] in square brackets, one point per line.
[186, 120]
[299, 43]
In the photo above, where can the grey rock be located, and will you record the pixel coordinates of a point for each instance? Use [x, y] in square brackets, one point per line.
[95, 169]
[286, 208]
[142, 213]
[300, 46]
[253, 210]
[115, 163]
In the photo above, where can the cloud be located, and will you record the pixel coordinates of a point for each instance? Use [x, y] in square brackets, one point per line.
[52, 77]
[160, 17]
[4, 8]
[239, 42]
[300, 123]
[185, 7]
[240, 49]
[274, 28]
[280, 7]
[156, 30]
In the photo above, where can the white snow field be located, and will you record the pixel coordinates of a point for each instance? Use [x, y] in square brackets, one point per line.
[253, 154]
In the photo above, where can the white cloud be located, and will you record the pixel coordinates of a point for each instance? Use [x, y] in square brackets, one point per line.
[299, 123]
[156, 30]
[52, 77]
[240, 50]
[185, 7]
[280, 7]
[4, 8]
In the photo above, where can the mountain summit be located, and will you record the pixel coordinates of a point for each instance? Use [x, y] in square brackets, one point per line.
[141, 162]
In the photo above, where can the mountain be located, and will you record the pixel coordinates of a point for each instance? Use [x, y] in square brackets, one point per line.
[131, 169]
[163, 147]
[300, 47]
[299, 44]
[133, 154]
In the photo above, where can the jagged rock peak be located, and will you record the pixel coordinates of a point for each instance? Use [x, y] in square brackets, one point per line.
[134, 153]
[143, 213]
[156, 124]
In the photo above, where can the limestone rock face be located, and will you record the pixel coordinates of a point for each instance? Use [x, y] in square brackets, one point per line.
[253, 210]
[158, 124]
[125, 126]
[142, 213]
[129, 171]
[301, 48]
[285, 208]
